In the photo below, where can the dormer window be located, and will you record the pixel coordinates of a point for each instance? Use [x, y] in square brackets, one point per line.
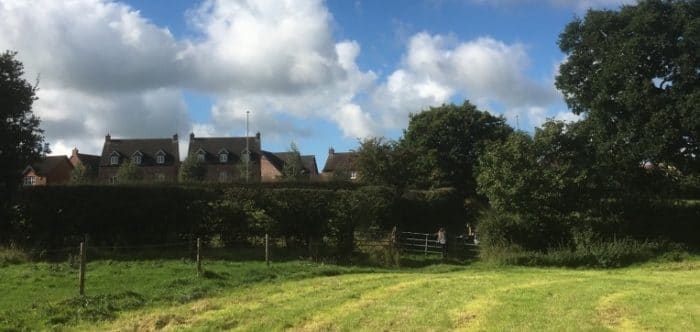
[114, 158]
[223, 156]
[160, 157]
[200, 155]
[136, 158]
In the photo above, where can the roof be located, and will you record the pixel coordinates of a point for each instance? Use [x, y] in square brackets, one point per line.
[233, 145]
[47, 164]
[340, 160]
[89, 161]
[278, 159]
[147, 146]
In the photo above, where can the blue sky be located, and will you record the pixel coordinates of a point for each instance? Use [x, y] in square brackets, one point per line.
[320, 73]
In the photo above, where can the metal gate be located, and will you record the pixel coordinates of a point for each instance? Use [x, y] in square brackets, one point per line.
[425, 243]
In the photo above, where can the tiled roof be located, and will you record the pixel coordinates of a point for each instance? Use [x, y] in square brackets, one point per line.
[44, 166]
[90, 162]
[340, 160]
[233, 145]
[279, 158]
[147, 146]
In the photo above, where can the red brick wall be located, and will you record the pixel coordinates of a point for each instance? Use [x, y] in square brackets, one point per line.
[234, 172]
[149, 173]
[60, 174]
[268, 172]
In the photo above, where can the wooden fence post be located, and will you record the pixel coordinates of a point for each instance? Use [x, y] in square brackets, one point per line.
[81, 270]
[199, 259]
[267, 249]
[426, 245]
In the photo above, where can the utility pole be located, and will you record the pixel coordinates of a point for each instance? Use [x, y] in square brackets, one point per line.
[247, 148]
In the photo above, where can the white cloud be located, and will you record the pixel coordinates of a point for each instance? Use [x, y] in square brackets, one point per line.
[436, 68]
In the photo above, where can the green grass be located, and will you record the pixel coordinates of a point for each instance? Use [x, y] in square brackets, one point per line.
[298, 295]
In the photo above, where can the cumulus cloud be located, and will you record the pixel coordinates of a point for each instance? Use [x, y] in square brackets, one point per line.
[436, 68]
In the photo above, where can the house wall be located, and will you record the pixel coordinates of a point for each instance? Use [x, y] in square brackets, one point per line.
[234, 172]
[148, 173]
[38, 180]
[268, 172]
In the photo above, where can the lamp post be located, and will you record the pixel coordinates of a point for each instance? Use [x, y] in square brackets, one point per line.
[247, 148]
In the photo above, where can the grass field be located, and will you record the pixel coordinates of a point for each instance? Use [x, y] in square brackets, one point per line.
[302, 296]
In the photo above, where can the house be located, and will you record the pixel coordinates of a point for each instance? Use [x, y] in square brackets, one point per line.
[157, 159]
[227, 159]
[90, 162]
[340, 165]
[48, 171]
[272, 165]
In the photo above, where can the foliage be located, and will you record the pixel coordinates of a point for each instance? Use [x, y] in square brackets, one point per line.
[633, 74]
[129, 172]
[20, 136]
[192, 170]
[80, 174]
[293, 169]
[384, 162]
[447, 140]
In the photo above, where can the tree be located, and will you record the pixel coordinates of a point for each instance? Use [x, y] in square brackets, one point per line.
[128, 172]
[293, 169]
[192, 170]
[20, 136]
[383, 162]
[447, 140]
[80, 174]
[633, 73]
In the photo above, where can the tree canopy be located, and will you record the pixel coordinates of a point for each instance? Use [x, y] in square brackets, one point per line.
[192, 169]
[293, 169]
[446, 142]
[20, 136]
[635, 76]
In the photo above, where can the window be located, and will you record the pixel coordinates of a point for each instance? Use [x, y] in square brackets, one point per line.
[160, 159]
[200, 156]
[160, 177]
[113, 180]
[353, 175]
[223, 158]
[223, 177]
[114, 160]
[136, 159]
[29, 180]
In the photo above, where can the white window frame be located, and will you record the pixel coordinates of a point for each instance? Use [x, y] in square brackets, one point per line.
[136, 159]
[200, 156]
[223, 158]
[160, 177]
[160, 159]
[353, 175]
[30, 180]
[114, 160]
[113, 179]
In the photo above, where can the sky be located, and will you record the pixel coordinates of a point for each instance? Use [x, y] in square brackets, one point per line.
[318, 73]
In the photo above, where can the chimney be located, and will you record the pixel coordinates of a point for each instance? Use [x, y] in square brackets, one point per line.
[331, 151]
[75, 152]
[257, 136]
[108, 138]
[175, 138]
[191, 136]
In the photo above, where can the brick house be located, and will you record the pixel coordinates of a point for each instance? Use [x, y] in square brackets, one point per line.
[89, 161]
[48, 171]
[340, 165]
[272, 165]
[157, 159]
[224, 157]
